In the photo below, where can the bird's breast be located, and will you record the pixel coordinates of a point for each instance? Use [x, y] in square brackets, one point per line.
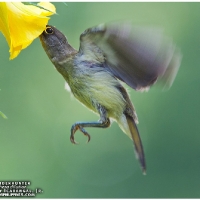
[91, 84]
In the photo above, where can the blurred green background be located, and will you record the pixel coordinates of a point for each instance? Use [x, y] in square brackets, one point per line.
[34, 140]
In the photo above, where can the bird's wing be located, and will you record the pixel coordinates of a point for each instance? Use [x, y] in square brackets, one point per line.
[137, 56]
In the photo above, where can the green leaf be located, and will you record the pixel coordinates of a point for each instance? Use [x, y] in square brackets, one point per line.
[3, 115]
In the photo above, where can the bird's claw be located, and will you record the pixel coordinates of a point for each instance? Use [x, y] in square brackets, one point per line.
[72, 139]
[73, 131]
[85, 133]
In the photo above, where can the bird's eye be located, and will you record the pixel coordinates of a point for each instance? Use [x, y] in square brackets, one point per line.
[49, 30]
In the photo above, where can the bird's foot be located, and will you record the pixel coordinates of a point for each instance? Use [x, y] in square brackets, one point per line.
[73, 131]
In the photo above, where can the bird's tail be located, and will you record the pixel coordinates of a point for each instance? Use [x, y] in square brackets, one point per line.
[128, 125]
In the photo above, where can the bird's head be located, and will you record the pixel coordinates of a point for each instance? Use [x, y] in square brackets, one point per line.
[55, 44]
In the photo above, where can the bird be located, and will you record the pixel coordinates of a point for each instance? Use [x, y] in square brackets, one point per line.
[112, 55]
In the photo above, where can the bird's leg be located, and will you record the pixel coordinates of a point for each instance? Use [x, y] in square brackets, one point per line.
[104, 122]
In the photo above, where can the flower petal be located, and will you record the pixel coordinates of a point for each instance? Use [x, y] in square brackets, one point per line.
[4, 22]
[48, 6]
[21, 24]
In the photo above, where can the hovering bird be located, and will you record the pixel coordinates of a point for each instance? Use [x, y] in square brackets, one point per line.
[110, 54]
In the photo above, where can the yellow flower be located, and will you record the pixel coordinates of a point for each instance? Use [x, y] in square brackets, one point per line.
[21, 24]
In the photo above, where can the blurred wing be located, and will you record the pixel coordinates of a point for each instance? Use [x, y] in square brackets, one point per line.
[137, 56]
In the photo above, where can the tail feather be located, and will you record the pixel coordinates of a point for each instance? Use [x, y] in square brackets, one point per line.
[137, 142]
